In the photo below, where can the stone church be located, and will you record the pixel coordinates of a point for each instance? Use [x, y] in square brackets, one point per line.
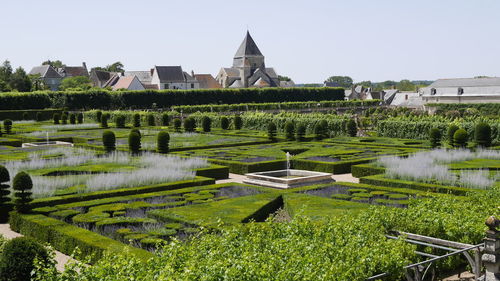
[249, 69]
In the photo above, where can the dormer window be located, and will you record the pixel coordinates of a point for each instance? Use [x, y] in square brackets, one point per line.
[460, 91]
[433, 92]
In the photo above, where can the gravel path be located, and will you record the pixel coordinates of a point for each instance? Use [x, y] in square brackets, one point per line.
[61, 258]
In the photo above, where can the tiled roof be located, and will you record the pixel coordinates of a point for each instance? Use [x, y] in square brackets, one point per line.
[207, 81]
[170, 73]
[72, 71]
[248, 48]
[143, 76]
[466, 82]
[45, 71]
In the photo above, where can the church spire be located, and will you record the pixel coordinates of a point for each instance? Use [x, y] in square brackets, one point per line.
[248, 48]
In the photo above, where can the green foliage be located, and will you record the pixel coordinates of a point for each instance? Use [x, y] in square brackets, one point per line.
[115, 67]
[482, 134]
[25, 116]
[79, 83]
[38, 117]
[351, 128]
[189, 124]
[120, 121]
[342, 81]
[165, 119]
[64, 118]
[79, 118]
[134, 142]
[17, 259]
[20, 81]
[104, 120]
[137, 120]
[163, 142]
[451, 133]
[151, 120]
[289, 130]
[271, 131]
[22, 185]
[224, 123]
[206, 124]
[238, 122]
[7, 125]
[301, 132]
[177, 124]
[460, 138]
[319, 131]
[72, 118]
[4, 189]
[56, 117]
[98, 116]
[109, 141]
[55, 63]
[435, 137]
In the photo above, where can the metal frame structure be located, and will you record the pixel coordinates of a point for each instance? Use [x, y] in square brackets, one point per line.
[422, 270]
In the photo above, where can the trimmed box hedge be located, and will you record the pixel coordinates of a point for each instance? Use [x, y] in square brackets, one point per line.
[363, 170]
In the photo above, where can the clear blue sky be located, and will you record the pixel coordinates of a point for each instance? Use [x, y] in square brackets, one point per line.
[306, 40]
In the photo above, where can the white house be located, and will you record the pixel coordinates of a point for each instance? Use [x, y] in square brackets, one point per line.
[462, 90]
[172, 77]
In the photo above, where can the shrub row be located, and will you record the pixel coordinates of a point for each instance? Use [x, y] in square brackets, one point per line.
[65, 237]
[29, 114]
[127, 117]
[273, 106]
[340, 167]
[483, 108]
[364, 170]
[103, 99]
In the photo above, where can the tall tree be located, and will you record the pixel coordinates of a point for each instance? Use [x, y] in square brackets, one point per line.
[55, 63]
[5, 74]
[115, 67]
[406, 85]
[77, 83]
[343, 81]
[20, 81]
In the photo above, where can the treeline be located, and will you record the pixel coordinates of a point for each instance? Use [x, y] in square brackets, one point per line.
[151, 99]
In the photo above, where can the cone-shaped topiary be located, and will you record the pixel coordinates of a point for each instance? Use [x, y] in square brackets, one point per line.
[163, 142]
[351, 128]
[450, 133]
[435, 137]
[189, 124]
[137, 120]
[289, 130]
[38, 117]
[72, 118]
[18, 256]
[271, 131]
[109, 141]
[177, 124]
[104, 120]
[64, 119]
[120, 121]
[56, 117]
[98, 116]
[301, 132]
[134, 142]
[224, 123]
[7, 124]
[482, 134]
[460, 138]
[22, 185]
[238, 122]
[79, 118]
[4, 193]
[165, 119]
[151, 120]
[206, 124]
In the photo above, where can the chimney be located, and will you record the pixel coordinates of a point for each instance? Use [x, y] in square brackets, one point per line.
[192, 73]
[84, 65]
[151, 71]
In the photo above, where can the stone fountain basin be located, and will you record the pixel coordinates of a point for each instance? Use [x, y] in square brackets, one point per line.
[287, 178]
[50, 143]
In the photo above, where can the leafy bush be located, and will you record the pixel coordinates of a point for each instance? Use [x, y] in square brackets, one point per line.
[104, 120]
[163, 142]
[38, 117]
[134, 142]
[7, 124]
[238, 122]
[271, 131]
[17, 259]
[56, 117]
[151, 120]
[22, 185]
[177, 124]
[301, 132]
[120, 121]
[72, 118]
[189, 124]
[109, 141]
[79, 118]
[206, 124]
[289, 130]
[165, 119]
[435, 137]
[451, 133]
[460, 138]
[98, 116]
[482, 134]
[137, 120]
[64, 118]
[318, 131]
[351, 128]
[224, 123]
[25, 116]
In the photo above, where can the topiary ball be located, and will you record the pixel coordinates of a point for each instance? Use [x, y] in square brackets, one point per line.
[460, 138]
[16, 261]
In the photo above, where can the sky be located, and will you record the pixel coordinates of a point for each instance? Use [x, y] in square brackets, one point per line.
[305, 40]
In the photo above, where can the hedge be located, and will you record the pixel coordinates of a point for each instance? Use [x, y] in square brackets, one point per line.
[340, 167]
[242, 168]
[364, 170]
[66, 237]
[104, 99]
[483, 108]
[17, 115]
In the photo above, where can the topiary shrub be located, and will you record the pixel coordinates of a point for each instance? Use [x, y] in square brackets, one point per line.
[109, 141]
[189, 124]
[238, 122]
[224, 123]
[351, 128]
[206, 124]
[177, 124]
[104, 120]
[460, 138]
[482, 134]
[271, 131]
[151, 120]
[79, 118]
[324, 128]
[120, 121]
[18, 256]
[435, 137]
[450, 133]
[136, 131]
[134, 142]
[7, 124]
[165, 119]
[136, 120]
[163, 142]
[25, 116]
[318, 131]
[72, 118]
[4, 193]
[56, 117]
[22, 185]
[301, 132]
[38, 117]
[64, 118]
[98, 116]
[289, 130]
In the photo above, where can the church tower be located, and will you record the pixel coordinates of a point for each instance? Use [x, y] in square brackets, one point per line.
[248, 59]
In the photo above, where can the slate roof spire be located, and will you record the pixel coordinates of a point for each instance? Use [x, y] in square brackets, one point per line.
[248, 48]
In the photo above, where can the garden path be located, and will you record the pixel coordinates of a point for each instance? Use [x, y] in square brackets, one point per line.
[61, 258]
[239, 178]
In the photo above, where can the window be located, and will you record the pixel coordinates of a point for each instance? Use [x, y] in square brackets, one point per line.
[460, 91]
[166, 86]
[192, 85]
[433, 91]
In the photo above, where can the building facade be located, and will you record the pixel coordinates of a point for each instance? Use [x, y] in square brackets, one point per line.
[462, 90]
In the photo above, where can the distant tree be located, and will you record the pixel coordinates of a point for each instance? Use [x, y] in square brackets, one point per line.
[289, 130]
[22, 185]
[76, 83]
[435, 137]
[343, 81]
[4, 86]
[406, 85]
[366, 84]
[163, 142]
[115, 67]
[388, 84]
[5, 71]
[55, 63]
[284, 78]
[109, 141]
[271, 131]
[20, 81]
